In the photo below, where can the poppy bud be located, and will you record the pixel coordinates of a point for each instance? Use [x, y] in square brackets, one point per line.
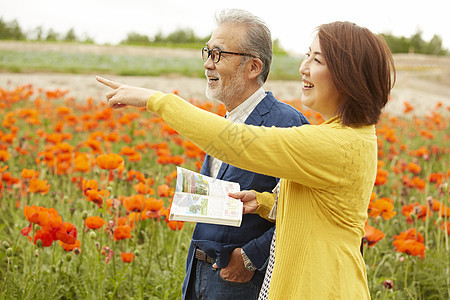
[92, 235]
[137, 253]
[9, 252]
[5, 244]
[68, 257]
[39, 243]
[84, 215]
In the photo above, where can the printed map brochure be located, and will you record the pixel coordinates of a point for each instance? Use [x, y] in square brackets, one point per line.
[200, 198]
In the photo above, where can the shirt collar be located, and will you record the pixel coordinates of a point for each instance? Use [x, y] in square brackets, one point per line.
[240, 113]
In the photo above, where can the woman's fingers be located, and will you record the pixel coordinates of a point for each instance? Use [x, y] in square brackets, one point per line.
[107, 82]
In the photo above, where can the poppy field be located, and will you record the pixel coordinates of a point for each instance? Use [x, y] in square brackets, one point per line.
[86, 191]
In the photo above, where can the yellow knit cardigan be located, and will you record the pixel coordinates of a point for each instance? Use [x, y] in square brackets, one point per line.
[327, 172]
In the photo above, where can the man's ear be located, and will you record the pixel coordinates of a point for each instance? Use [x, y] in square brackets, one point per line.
[255, 68]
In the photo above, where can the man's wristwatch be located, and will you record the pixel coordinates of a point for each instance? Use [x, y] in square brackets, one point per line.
[247, 262]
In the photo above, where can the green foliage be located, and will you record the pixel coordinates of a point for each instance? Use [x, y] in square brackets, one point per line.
[10, 30]
[134, 38]
[415, 44]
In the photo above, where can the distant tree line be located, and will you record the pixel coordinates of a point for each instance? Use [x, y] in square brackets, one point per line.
[186, 38]
[415, 44]
[11, 31]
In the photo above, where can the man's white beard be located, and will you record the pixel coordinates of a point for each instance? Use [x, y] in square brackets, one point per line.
[228, 94]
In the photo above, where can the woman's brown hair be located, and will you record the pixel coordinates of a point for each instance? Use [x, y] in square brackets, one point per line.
[361, 64]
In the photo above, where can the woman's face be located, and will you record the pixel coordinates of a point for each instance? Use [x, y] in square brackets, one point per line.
[319, 92]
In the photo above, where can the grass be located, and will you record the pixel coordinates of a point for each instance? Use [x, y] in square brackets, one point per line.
[283, 67]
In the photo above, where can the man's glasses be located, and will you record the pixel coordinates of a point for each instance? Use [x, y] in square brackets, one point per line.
[216, 53]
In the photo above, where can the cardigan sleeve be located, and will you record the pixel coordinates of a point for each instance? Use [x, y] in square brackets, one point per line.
[304, 154]
[265, 201]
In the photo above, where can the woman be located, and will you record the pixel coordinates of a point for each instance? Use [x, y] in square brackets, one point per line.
[327, 171]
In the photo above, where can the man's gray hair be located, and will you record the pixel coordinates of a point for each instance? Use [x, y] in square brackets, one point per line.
[257, 41]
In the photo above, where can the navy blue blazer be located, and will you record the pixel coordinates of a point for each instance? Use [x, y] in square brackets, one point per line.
[255, 233]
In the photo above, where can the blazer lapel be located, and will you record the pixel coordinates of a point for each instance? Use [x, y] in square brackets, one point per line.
[205, 166]
[256, 118]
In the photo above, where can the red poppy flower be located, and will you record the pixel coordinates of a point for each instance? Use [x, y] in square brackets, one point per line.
[66, 233]
[410, 247]
[45, 236]
[127, 257]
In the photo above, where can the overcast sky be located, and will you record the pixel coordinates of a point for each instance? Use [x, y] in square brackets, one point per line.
[291, 21]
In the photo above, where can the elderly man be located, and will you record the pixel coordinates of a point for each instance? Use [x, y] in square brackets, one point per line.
[227, 262]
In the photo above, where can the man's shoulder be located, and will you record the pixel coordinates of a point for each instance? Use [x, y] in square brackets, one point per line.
[284, 112]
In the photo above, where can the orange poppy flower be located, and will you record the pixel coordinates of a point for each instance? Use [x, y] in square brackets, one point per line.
[4, 155]
[381, 177]
[134, 203]
[94, 222]
[97, 196]
[122, 232]
[82, 163]
[42, 216]
[175, 225]
[109, 161]
[414, 209]
[414, 168]
[38, 186]
[132, 174]
[144, 189]
[410, 234]
[165, 191]
[90, 184]
[382, 207]
[127, 151]
[127, 257]
[36, 215]
[28, 173]
[410, 247]
[373, 235]
[70, 247]
[153, 204]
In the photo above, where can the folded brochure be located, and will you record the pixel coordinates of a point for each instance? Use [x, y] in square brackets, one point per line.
[203, 199]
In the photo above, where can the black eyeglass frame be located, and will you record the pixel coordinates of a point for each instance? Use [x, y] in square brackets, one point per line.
[206, 49]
